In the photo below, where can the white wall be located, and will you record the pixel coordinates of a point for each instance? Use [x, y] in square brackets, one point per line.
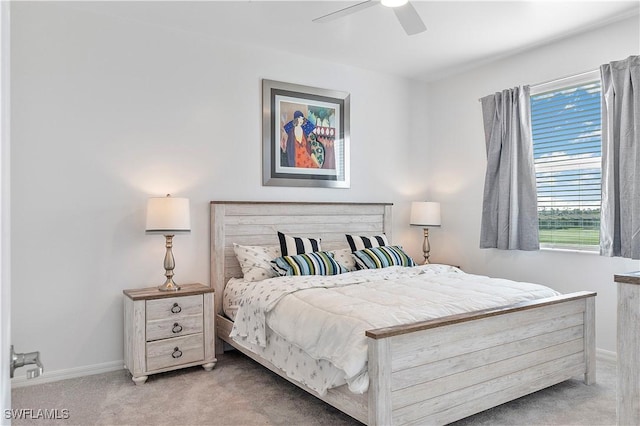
[106, 112]
[456, 166]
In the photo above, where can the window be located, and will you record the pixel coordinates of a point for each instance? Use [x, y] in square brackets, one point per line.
[567, 151]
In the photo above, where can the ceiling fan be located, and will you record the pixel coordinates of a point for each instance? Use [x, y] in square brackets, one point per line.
[404, 10]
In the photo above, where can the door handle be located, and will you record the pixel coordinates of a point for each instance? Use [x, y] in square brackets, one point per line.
[20, 360]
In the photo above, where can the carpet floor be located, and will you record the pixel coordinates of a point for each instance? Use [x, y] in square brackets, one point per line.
[241, 392]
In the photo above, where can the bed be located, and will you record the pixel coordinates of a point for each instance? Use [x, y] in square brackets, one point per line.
[428, 372]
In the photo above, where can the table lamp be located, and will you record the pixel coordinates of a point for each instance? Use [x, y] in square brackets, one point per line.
[425, 214]
[168, 216]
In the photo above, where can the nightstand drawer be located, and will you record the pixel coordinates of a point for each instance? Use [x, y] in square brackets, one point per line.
[173, 327]
[174, 307]
[176, 351]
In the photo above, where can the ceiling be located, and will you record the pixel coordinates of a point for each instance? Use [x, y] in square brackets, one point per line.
[460, 34]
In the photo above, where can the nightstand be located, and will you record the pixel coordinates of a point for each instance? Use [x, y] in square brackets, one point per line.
[168, 330]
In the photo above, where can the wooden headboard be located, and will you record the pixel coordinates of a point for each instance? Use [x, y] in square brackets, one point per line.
[257, 224]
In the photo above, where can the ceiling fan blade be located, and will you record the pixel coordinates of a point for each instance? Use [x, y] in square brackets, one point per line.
[409, 19]
[346, 11]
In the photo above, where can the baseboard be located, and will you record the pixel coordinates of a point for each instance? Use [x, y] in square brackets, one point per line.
[20, 378]
[71, 373]
[607, 356]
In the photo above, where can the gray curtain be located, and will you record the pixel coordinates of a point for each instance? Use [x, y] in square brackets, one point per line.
[620, 213]
[510, 206]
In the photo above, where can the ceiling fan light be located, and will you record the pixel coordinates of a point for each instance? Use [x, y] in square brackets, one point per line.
[394, 3]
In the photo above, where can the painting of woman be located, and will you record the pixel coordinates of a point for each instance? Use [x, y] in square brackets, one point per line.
[300, 136]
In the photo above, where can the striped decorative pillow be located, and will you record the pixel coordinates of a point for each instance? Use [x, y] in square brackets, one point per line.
[382, 257]
[318, 263]
[360, 243]
[290, 246]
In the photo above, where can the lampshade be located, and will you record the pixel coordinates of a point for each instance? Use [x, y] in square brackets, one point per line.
[394, 3]
[425, 213]
[168, 215]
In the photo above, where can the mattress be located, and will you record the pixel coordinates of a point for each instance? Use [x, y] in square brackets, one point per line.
[313, 327]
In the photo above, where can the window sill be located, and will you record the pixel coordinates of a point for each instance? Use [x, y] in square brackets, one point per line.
[571, 250]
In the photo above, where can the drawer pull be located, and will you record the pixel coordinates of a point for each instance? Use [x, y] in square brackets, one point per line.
[177, 353]
[177, 328]
[176, 308]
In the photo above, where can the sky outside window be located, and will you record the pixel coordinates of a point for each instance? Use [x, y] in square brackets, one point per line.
[566, 126]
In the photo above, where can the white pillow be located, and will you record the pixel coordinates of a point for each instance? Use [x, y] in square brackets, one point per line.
[345, 258]
[255, 261]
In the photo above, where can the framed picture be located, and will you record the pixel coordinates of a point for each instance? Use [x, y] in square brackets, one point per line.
[305, 136]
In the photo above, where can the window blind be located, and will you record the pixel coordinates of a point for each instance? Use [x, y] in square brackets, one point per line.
[566, 127]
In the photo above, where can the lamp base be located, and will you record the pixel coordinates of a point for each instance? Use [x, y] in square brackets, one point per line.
[169, 265]
[169, 285]
[426, 247]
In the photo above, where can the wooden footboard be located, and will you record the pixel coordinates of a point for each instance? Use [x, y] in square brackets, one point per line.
[440, 371]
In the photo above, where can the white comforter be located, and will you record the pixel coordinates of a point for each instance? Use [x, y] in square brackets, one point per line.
[327, 316]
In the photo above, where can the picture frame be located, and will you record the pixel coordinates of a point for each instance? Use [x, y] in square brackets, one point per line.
[305, 136]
